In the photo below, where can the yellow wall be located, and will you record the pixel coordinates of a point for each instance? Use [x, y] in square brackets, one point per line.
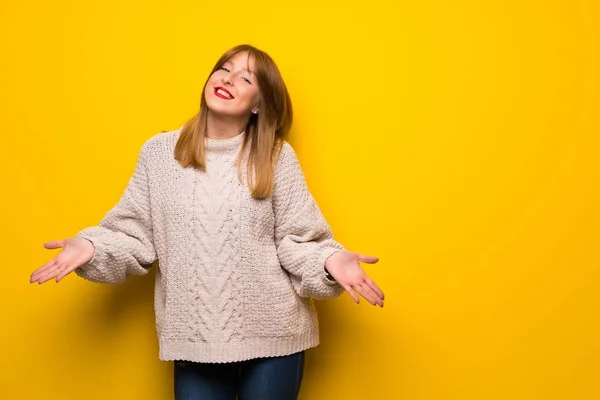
[456, 140]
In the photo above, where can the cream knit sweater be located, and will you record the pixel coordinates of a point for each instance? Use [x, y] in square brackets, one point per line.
[236, 276]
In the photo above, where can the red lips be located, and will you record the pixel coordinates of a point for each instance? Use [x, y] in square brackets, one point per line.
[221, 88]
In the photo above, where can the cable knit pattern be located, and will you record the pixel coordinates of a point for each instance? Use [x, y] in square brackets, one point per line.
[236, 276]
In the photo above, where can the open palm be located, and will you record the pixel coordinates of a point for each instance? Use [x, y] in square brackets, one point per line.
[344, 267]
[76, 252]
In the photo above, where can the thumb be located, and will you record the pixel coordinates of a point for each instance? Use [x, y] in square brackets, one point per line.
[55, 244]
[367, 259]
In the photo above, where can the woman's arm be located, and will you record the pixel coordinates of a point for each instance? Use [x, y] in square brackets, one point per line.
[303, 238]
[123, 241]
[319, 266]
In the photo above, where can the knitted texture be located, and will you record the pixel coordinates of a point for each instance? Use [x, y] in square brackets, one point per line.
[236, 276]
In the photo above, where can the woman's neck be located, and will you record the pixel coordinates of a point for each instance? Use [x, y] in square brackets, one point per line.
[218, 127]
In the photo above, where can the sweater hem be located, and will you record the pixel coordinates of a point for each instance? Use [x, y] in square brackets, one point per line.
[239, 350]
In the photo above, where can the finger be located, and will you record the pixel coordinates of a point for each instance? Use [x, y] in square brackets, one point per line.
[352, 294]
[46, 277]
[54, 272]
[376, 288]
[51, 273]
[54, 244]
[41, 270]
[64, 273]
[367, 259]
[366, 292]
[373, 295]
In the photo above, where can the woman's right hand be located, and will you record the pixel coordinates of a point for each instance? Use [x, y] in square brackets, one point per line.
[76, 252]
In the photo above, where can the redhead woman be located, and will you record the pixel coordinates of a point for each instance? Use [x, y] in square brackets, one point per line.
[242, 247]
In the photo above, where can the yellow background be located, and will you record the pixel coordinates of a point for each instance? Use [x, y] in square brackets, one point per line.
[456, 140]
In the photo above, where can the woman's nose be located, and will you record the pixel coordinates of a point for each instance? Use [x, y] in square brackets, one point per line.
[227, 78]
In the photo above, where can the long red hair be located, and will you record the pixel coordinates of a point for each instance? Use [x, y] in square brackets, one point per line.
[265, 131]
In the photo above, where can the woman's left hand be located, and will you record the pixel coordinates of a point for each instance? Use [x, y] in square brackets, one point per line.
[344, 267]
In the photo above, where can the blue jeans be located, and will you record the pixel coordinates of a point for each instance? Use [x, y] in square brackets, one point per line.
[272, 378]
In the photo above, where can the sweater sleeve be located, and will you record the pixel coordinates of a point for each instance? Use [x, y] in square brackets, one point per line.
[123, 240]
[303, 238]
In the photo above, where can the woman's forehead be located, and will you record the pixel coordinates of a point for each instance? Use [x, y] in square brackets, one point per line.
[242, 60]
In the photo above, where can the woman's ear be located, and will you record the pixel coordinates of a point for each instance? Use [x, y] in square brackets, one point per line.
[257, 104]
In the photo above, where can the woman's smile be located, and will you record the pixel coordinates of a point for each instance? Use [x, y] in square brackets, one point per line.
[223, 93]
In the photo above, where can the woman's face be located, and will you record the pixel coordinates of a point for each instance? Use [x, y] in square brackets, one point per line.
[232, 90]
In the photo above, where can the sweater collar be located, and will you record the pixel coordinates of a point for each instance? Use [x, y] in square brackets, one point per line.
[224, 145]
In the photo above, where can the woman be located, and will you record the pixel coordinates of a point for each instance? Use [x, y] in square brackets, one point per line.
[241, 244]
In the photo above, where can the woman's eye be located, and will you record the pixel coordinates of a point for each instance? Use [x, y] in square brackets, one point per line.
[246, 79]
[224, 69]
